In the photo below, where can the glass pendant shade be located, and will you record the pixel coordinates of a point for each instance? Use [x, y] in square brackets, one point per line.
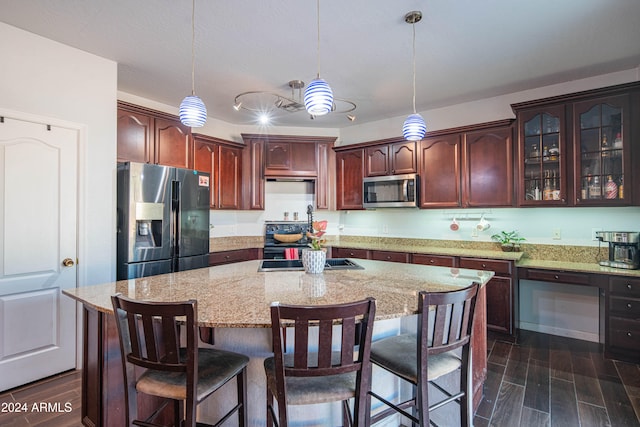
[414, 128]
[193, 112]
[318, 98]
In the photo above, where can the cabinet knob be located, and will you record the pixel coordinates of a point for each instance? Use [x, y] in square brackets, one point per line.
[388, 256]
[431, 261]
[484, 265]
[629, 334]
[556, 277]
[350, 253]
[629, 305]
[227, 256]
[629, 286]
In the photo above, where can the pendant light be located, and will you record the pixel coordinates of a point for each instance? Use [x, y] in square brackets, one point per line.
[414, 127]
[318, 96]
[193, 112]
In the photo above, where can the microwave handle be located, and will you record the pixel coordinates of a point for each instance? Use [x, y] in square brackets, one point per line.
[405, 190]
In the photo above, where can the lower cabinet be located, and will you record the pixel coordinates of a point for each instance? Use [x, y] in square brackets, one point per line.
[435, 260]
[500, 292]
[622, 319]
[349, 253]
[390, 256]
[227, 257]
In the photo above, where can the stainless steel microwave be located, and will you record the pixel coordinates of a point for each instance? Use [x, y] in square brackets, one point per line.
[392, 191]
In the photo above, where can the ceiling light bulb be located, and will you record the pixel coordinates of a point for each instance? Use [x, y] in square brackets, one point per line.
[264, 119]
[351, 117]
[237, 106]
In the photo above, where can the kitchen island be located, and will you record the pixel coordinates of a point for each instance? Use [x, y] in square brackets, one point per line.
[234, 299]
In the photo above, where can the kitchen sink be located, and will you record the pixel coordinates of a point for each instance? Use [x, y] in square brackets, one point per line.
[296, 265]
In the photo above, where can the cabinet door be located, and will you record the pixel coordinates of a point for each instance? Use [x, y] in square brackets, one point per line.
[253, 180]
[602, 151]
[349, 174]
[205, 155]
[542, 157]
[229, 177]
[403, 158]
[440, 172]
[303, 159]
[277, 157]
[172, 144]
[499, 310]
[135, 133]
[488, 168]
[325, 182]
[377, 160]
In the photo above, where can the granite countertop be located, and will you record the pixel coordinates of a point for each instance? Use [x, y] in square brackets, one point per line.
[237, 295]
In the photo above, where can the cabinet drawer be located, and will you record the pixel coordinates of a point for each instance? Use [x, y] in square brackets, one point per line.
[438, 260]
[390, 256]
[626, 306]
[497, 266]
[624, 333]
[225, 257]
[624, 286]
[350, 253]
[558, 276]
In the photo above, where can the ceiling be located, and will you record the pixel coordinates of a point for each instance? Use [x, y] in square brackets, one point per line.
[465, 49]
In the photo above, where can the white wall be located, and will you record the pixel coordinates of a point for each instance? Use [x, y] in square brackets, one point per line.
[45, 78]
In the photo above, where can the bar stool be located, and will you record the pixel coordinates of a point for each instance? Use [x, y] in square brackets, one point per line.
[445, 322]
[324, 374]
[149, 338]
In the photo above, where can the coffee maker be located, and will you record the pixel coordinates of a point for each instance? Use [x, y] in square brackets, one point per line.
[624, 251]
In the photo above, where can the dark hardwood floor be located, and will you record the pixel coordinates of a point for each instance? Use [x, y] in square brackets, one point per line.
[544, 380]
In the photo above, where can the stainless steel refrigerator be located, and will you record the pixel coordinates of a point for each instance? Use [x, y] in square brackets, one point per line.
[163, 220]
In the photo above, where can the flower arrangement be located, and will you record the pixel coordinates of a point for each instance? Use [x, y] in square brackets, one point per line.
[315, 235]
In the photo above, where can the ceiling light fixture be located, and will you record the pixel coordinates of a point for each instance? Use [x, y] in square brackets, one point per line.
[414, 127]
[262, 102]
[193, 112]
[318, 97]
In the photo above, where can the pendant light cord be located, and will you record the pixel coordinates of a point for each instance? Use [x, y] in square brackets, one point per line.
[413, 26]
[193, 48]
[318, 45]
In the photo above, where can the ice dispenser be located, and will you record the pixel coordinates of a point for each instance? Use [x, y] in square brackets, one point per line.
[149, 217]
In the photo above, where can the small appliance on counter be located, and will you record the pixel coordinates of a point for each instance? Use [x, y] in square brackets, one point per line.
[624, 250]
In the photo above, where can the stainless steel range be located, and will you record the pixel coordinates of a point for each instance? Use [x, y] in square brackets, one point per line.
[281, 235]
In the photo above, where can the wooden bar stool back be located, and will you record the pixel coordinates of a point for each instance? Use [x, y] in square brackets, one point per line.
[149, 335]
[317, 370]
[441, 346]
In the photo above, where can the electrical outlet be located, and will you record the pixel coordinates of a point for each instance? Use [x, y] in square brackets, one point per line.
[557, 234]
[593, 233]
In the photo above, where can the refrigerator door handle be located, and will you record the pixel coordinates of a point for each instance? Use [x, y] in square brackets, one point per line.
[175, 217]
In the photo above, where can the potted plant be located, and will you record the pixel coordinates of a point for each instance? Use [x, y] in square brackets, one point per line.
[509, 240]
[314, 259]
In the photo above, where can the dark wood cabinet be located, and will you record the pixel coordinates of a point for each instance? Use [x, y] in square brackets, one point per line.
[349, 174]
[394, 158]
[435, 260]
[223, 161]
[543, 157]
[390, 256]
[487, 167]
[290, 158]
[577, 150]
[500, 292]
[622, 319]
[287, 156]
[228, 257]
[349, 253]
[440, 161]
[149, 136]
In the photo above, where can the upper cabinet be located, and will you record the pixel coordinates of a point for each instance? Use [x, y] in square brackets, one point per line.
[578, 150]
[394, 158]
[349, 174]
[471, 166]
[288, 156]
[148, 136]
[223, 161]
[601, 142]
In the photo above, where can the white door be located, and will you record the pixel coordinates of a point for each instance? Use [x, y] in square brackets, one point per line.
[38, 217]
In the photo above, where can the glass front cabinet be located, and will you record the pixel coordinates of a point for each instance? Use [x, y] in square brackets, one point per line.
[601, 145]
[578, 149]
[543, 157]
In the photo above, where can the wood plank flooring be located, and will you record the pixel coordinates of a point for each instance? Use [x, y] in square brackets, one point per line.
[544, 380]
[552, 381]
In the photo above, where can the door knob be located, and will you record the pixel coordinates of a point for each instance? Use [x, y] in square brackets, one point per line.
[67, 262]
